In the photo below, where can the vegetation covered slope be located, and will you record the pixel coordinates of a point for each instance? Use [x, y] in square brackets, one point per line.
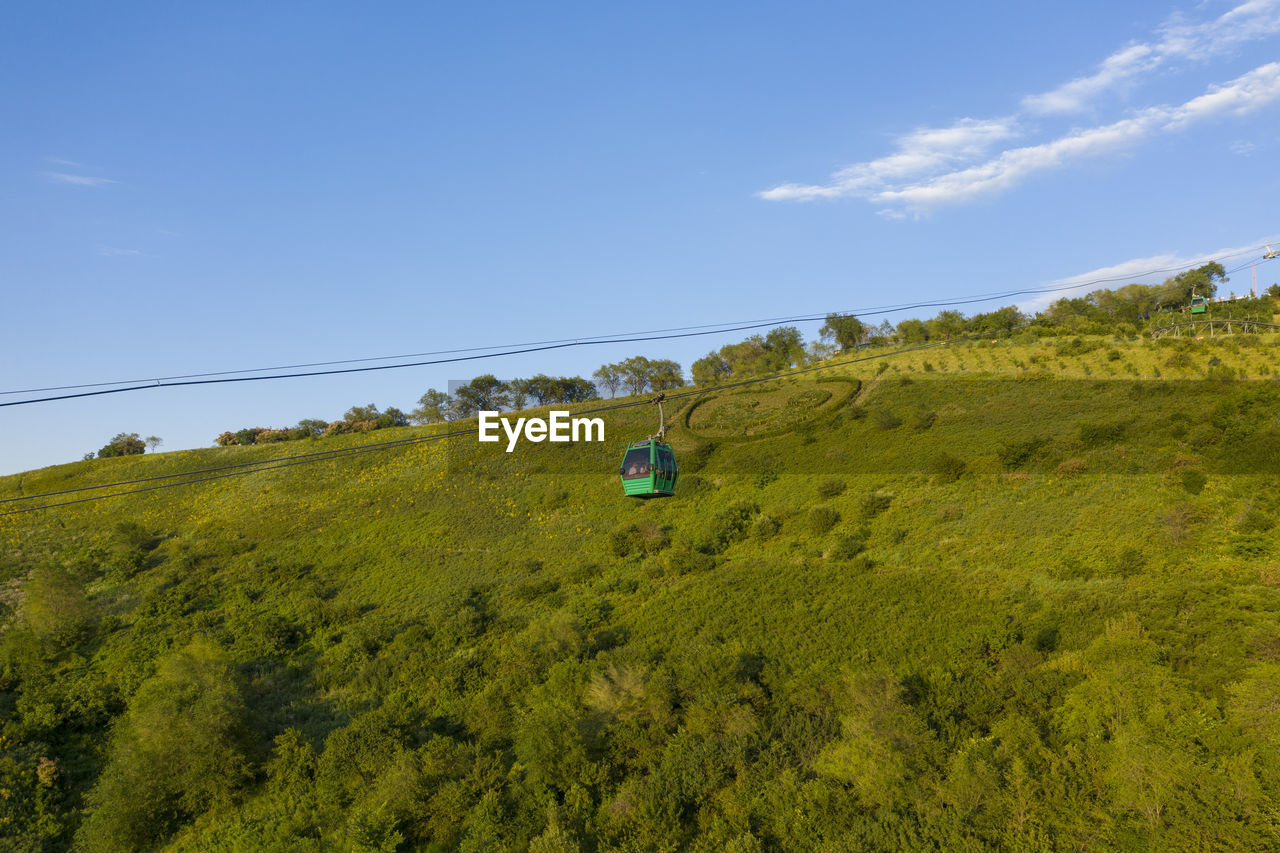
[983, 597]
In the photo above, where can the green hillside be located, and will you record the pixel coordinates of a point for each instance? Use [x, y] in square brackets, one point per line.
[989, 596]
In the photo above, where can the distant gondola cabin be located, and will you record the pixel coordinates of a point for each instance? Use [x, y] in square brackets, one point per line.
[649, 470]
[1199, 304]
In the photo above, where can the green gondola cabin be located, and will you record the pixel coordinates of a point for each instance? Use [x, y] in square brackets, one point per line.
[649, 470]
[1199, 304]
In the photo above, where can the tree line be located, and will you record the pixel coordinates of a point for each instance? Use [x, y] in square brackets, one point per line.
[635, 375]
[1125, 310]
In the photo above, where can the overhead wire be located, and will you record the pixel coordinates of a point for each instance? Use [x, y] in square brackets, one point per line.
[324, 456]
[478, 353]
[320, 456]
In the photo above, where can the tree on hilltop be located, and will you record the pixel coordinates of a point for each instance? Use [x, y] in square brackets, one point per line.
[433, 407]
[608, 377]
[124, 444]
[485, 393]
[845, 329]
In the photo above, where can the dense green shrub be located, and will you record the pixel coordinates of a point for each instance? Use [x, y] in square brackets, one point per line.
[178, 751]
[874, 503]
[820, 519]
[947, 468]
[830, 487]
[765, 527]
[1095, 434]
[1194, 481]
[728, 525]
[846, 547]
[886, 420]
[1015, 454]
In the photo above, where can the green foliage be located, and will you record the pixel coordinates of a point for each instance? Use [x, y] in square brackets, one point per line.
[55, 608]
[1194, 481]
[818, 643]
[846, 547]
[728, 525]
[830, 487]
[124, 444]
[873, 504]
[882, 747]
[779, 350]
[922, 421]
[177, 752]
[1095, 434]
[646, 538]
[1016, 454]
[886, 420]
[847, 330]
[947, 468]
[819, 519]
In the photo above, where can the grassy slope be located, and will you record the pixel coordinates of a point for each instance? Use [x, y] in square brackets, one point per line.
[982, 597]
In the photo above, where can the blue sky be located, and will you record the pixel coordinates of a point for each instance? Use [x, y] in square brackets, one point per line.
[194, 188]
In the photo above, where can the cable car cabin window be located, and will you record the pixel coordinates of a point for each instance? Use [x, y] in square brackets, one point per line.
[666, 461]
[636, 463]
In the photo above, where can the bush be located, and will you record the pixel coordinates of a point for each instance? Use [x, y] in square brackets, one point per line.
[1018, 453]
[887, 420]
[820, 519]
[1255, 521]
[765, 527]
[950, 512]
[947, 468]
[177, 751]
[765, 478]
[874, 503]
[728, 525]
[831, 487]
[1076, 346]
[1095, 434]
[646, 538]
[55, 608]
[625, 540]
[846, 547]
[683, 560]
[1194, 481]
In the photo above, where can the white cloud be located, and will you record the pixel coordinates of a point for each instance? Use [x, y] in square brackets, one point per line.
[58, 161]
[932, 166]
[1195, 41]
[1246, 93]
[1115, 69]
[1242, 95]
[113, 252]
[921, 151]
[1250, 21]
[77, 180]
[1016, 164]
[1243, 147]
[1139, 270]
